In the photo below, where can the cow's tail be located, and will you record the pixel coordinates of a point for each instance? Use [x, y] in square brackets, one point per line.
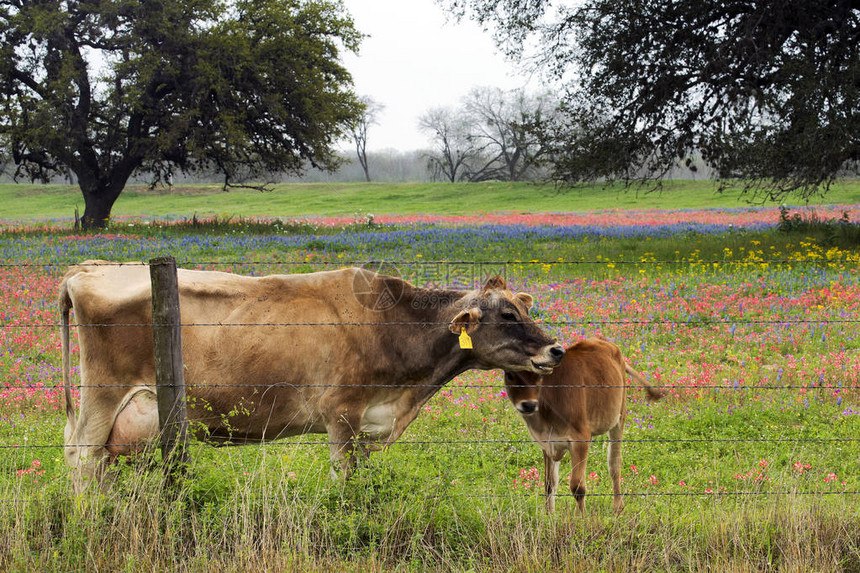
[65, 308]
[653, 393]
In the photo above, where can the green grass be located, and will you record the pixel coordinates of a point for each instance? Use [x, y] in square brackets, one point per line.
[449, 507]
[23, 202]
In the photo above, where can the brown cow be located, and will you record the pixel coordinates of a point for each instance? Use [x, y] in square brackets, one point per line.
[350, 353]
[585, 396]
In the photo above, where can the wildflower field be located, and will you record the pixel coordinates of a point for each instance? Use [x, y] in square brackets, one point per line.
[749, 317]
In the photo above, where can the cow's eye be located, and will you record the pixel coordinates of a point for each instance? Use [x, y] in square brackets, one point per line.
[509, 316]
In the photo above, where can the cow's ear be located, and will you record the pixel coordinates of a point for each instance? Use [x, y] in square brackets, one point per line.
[496, 282]
[468, 320]
[526, 299]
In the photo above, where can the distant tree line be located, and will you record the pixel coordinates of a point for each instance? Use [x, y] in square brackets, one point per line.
[386, 166]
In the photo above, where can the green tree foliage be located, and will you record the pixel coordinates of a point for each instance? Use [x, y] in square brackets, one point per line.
[106, 89]
[763, 90]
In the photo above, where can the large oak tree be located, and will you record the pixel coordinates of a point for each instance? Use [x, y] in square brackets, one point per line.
[106, 89]
[764, 90]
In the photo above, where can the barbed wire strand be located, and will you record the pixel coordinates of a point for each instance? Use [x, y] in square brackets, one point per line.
[286, 444]
[702, 322]
[423, 263]
[449, 387]
[536, 491]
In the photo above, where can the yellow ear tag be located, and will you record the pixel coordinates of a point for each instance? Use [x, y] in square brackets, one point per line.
[465, 341]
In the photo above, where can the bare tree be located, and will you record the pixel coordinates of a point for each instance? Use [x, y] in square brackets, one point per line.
[452, 148]
[507, 132]
[359, 128]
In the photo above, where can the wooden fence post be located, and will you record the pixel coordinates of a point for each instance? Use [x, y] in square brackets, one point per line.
[169, 375]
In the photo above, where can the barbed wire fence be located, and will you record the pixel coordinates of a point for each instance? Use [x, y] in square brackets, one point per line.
[475, 272]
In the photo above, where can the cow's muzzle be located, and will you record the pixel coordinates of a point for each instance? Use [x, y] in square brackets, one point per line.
[553, 358]
[543, 368]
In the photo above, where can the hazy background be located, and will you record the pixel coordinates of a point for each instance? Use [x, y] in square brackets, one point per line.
[417, 57]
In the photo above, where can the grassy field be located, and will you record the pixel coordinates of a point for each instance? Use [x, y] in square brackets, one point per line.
[751, 463]
[25, 202]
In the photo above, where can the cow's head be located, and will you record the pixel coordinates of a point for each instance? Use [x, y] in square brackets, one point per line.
[523, 389]
[502, 333]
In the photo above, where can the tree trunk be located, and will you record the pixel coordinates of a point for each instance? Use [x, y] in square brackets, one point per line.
[98, 202]
[361, 151]
[363, 161]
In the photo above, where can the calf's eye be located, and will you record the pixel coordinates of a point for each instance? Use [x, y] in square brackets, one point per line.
[509, 316]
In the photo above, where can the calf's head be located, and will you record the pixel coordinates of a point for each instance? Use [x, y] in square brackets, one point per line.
[523, 390]
[502, 333]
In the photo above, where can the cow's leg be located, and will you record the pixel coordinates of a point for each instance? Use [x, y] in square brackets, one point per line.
[550, 465]
[343, 428]
[101, 435]
[614, 460]
[578, 461]
[75, 454]
[83, 451]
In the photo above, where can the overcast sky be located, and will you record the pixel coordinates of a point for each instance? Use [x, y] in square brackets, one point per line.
[414, 58]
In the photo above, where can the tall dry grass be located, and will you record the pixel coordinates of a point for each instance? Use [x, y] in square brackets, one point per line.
[143, 525]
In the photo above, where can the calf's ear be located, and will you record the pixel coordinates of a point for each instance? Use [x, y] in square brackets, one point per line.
[467, 319]
[526, 299]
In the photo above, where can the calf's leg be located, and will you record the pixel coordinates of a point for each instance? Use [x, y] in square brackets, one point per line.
[579, 459]
[614, 461]
[550, 465]
[616, 434]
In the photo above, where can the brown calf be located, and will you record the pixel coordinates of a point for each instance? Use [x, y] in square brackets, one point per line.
[585, 396]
